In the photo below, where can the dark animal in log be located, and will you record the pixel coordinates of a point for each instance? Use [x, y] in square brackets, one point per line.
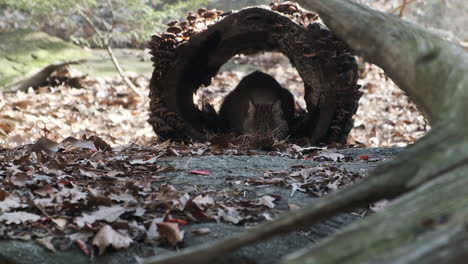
[258, 105]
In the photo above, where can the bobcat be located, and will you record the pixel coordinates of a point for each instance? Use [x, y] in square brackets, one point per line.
[258, 105]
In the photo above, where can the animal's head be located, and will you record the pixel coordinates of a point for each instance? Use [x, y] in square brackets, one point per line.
[266, 119]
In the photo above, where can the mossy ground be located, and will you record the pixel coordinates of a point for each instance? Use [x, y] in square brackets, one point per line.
[24, 52]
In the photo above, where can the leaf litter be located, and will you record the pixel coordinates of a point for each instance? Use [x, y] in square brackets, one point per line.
[113, 197]
[71, 172]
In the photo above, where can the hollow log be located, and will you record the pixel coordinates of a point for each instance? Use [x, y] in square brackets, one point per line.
[189, 55]
[426, 223]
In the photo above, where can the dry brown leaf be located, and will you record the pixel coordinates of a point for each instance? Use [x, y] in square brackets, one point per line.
[73, 195]
[152, 232]
[170, 232]
[230, 214]
[169, 194]
[3, 195]
[18, 218]
[74, 143]
[203, 201]
[108, 214]
[46, 242]
[9, 203]
[267, 201]
[19, 179]
[162, 146]
[43, 145]
[46, 190]
[107, 236]
[60, 222]
[89, 174]
[143, 161]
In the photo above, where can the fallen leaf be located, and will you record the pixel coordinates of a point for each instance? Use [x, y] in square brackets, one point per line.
[9, 203]
[267, 201]
[3, 195]
[203, 201]
[201, 172]
[201, 231]
[76, 143]
[230, 214]
[331, 155]
[177, 221]
[88, 174]
[43, 145]
[18, 218]
[153, 232]
[364, 157]
[83, 247]
[100, 143]
[60, 222]
[46, 190]
[19, 179]
[107, 236]
[46, 242]
[108, 214]
[162, 146]
[171, 232]
[144, 161]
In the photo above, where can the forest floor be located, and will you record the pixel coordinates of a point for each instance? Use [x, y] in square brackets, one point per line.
[81, 167]
[74, 104]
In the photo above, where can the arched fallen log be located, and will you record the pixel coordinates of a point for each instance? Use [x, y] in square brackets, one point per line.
[428, 224]
[191, 53]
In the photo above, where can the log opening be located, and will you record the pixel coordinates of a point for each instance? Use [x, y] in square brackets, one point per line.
[192, 52]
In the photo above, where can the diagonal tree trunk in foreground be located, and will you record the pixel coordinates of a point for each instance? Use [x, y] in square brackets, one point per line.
[428, 223]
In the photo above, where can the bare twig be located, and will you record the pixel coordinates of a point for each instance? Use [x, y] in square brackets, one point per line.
[401, 8]
[107, 39]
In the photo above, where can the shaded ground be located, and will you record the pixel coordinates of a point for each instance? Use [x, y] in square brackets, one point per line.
[199, 191]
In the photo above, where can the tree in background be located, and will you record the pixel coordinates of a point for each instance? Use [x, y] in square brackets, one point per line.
[131, 22]
[105, 21]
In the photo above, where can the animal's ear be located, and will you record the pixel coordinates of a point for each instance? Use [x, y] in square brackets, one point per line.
[276, 107]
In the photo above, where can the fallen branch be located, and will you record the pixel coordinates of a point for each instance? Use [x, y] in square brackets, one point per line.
[40, 77]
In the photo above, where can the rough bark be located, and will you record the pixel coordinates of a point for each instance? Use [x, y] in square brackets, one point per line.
[428, 225]
[432, 216]
[188, 59]
[431, 70]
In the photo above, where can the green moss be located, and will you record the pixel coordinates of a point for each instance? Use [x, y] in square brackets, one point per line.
[24, 52]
